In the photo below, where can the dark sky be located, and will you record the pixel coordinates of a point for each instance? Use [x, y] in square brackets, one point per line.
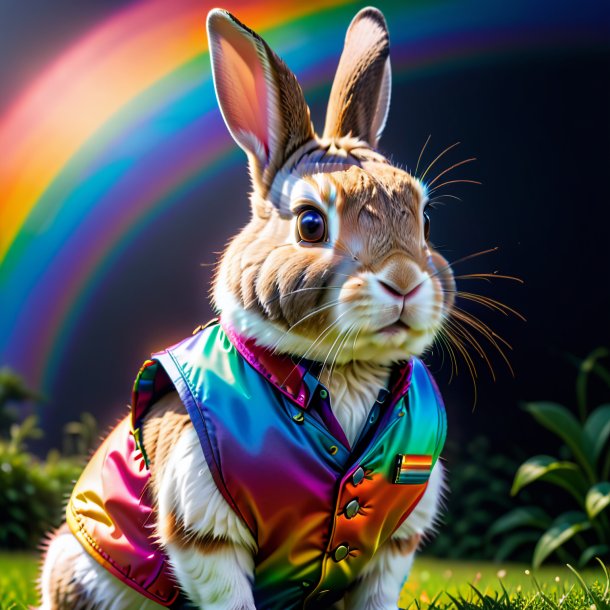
[539, 126]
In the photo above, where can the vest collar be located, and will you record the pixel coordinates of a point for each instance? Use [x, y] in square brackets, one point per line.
[289, 375]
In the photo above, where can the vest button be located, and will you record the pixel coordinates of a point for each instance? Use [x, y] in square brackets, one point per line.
[323, 394]
[341, 552]
[351, 509]
[299, 418]
[358, 476]
[333, 449]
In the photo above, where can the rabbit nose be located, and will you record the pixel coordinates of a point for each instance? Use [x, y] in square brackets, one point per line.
[391, 289]
[400, 277]
[397, 293]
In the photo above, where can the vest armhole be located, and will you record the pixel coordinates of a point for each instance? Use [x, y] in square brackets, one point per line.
[172, 368]
[150, 385]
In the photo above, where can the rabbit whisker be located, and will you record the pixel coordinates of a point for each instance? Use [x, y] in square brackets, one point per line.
[421, 152]
[482, 327]
[469, 338]
[445, 345]
[490, 303]
[464, 162]
[454, 182]
[305, 317]
[287, 294]
[354, 342]
[462, 318]
[458, 344]
[343, 338]
[436, 159]
[319, 338]
[468, 257]
[488, 277]
[439, 197]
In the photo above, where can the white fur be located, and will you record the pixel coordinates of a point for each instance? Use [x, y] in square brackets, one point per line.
[101, 589]
[221, 580]
[380, 585]
[188, 490]
[218, 580]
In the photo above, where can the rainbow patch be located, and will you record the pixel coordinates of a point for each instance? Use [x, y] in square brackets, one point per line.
[412, 469]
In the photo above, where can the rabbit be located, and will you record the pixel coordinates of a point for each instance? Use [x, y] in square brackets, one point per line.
[328, 295]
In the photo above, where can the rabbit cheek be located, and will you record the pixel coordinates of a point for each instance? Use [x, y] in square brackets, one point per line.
[446, 282]
[290, 286]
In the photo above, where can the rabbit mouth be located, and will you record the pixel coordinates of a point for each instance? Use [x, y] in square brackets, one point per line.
[395, 328]
[403, 333]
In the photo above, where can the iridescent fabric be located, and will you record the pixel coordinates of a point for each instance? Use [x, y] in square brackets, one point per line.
[111, 515]
[317, 508]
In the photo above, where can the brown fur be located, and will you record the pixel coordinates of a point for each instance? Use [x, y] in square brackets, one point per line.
[162, 427]
[173, 531]
[357, 87]
[406, 546]
[67, 592]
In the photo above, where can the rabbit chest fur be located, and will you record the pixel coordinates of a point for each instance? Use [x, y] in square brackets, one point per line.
[287, 457]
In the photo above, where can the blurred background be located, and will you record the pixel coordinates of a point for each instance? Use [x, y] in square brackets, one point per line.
[120, 185]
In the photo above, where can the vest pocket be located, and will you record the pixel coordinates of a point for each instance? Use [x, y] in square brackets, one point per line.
[412, 469]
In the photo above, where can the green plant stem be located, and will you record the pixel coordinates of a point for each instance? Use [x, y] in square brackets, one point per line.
[584, 371]
[602, 373]
[605, 528]
[584, 464]
[601, 529]
[606, 468]
[580, 542]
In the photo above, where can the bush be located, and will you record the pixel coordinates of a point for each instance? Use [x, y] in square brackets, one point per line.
[32, 491]
[582, 473]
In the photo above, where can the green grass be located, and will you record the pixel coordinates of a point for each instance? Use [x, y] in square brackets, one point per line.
[18, 573]
[434, 585]
[442, 584]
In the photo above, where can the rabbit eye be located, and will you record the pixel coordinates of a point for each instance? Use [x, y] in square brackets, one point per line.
[426, 226]
[311, 226]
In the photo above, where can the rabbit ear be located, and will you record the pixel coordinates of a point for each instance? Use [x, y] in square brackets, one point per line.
[360, 96]
[259, 97]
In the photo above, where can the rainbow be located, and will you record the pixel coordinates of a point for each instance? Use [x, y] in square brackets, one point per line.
[118, 128]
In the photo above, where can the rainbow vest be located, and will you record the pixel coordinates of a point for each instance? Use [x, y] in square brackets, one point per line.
[317, 509]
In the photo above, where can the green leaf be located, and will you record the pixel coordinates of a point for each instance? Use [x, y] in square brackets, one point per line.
[551, 470]
[530, 516]
[557, 419]
[513, 542]
[597, 550]
[562, 529]
[597, 430]
[598, 497]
